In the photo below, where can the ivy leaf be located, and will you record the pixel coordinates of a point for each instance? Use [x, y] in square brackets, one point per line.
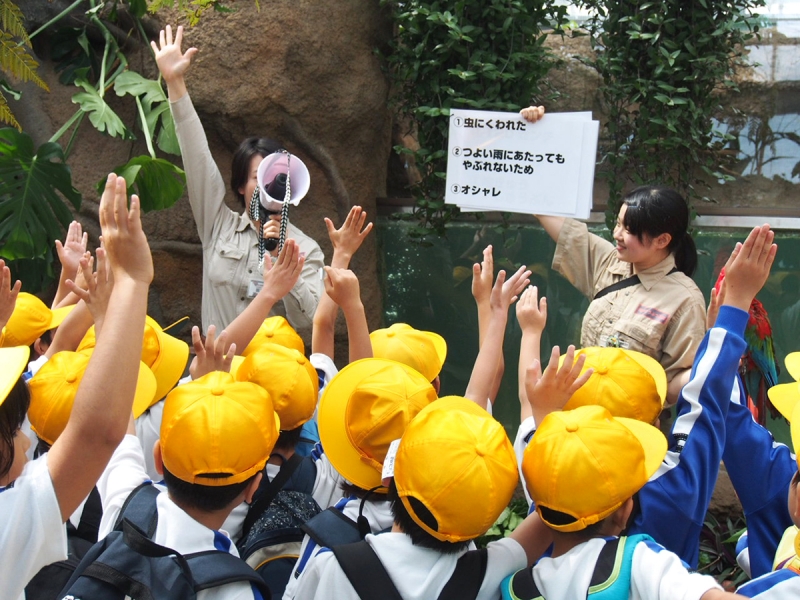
[158, 183]
[100, 114]
[32, 213]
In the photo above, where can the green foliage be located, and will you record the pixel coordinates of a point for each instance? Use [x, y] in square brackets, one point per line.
[663, 65]
[155, 106]
[157, 182]
[508, 521]
[718, 550]
[192, 10]
[32, 212]
[100, 113]
[474, 54]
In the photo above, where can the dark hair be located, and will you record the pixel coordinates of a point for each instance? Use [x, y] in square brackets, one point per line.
[653, 210]
[12, 414]
[556, 517]
[206, 498]
[420, 537]
[348, 489]
[240, 165]
[289, 438]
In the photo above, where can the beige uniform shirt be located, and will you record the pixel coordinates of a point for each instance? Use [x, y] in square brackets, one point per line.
[663, 316]
[231, 276]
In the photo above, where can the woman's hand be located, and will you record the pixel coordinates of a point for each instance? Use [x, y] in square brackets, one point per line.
[532, 113]
[172, 62]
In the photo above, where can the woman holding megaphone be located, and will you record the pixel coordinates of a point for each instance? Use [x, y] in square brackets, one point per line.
[264, 178]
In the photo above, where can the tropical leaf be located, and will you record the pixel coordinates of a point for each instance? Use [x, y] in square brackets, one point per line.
[32, 213]
[157, 182]
[15, 61]
[100, 114]
[6, 116]
[155, 105]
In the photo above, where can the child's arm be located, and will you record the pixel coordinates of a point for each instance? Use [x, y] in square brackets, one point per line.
[70, 254]
[213, 354]
[279, 278]
[482, 277]
[534, 536]
[345, 241]
[504, 293]
[341, 285]
[532, 317]
[105, 397]
[8, 294]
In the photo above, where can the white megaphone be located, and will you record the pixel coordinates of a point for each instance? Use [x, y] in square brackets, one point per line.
[271, 177]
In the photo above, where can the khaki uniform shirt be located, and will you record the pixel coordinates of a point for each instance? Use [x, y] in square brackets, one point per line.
[663, 316]
[230, 240]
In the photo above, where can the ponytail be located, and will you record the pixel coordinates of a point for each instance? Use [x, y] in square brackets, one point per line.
[685, 253]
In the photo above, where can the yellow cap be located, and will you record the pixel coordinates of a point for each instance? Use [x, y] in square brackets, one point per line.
[365, 407]
[454, 450]
[14, 361]
[30, 319]
[794, 423]
[786, 396]
[275, 330]
[164, 354]
[216, 431]
[586, 463]
[289, 379]
[55, 385]
[628, 383]
[424, 351]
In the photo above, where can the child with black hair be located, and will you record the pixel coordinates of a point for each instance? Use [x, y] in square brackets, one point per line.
[39, 497]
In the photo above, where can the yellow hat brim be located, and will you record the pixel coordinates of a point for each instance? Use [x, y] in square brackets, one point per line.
[14, 361]
[169, 367]
[795, 430]
[332, 412]
[785, 397]
[59, 314]
[792, 362]
[653, 443]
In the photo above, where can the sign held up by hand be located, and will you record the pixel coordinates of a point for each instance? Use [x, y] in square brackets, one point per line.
[499, 161]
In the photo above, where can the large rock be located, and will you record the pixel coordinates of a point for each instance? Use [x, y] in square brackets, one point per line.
[305, 73]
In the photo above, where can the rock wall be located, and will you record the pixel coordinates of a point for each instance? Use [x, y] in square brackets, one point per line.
[303, 72]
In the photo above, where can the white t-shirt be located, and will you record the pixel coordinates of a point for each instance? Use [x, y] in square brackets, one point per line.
[418, 573]
[524, 433]
[31, 532]
[175, 529]
[656, 574]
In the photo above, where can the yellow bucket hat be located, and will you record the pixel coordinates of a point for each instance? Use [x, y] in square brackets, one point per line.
[424, 351]
[586, 463]
[453, 450]
[365, 407]
[275, 330]
[30, 319]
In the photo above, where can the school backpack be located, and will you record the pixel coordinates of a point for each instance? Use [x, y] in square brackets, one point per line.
[128, 563]
[370, 580]
[50, 580]
[611, 579]
[271, 533]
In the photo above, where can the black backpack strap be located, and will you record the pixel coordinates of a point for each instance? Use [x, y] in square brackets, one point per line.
[332, 528]
[213, 568]
[620, 285]
[605, 566]
[140, 509]
[91, 516]
[366, 572]
[466, 580]
[270, 490]
[523, 586]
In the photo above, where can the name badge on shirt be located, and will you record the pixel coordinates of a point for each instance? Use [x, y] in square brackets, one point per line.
[254, 287]
[615, 341]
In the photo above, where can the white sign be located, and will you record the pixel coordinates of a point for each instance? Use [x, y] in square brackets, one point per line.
[499, 161]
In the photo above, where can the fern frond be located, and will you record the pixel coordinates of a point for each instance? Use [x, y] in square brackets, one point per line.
[15, 61]
[13, 21]
[6, 116]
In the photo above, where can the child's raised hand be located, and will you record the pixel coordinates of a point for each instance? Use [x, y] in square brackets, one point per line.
[215, 354]
[348, 238]
[532, 113]
[482, 276]
[716, 300]
[549, 391]
[96, 287]
[172, 63]
[506, 291]
[532, 312]
[8, 293]
[72, 249]
[125, 244]
[342, 287]
[280, 277]
[748, 267]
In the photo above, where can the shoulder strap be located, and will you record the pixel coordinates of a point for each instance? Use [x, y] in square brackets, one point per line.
[611, 579]
[365, 571]
[140, 509]
[620, 285]
[91, 516]
[520, 586]
[467, 578]
[270, 491]
[332, 528]
[214, 568]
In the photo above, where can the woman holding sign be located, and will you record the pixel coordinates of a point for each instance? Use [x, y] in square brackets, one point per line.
[640, 287]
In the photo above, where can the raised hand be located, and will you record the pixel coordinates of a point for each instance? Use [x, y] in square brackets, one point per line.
[172, 62]
[281, 277]
[125, 244]
[748, 267]
[482, 277]
[8, 294]
[71, 251]
[215, 354]
[98, 286]
[716, 300]
[505, 292]
[532, 113]
[342, 287]
[532, 312]
[348, 238]
[549, 391]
